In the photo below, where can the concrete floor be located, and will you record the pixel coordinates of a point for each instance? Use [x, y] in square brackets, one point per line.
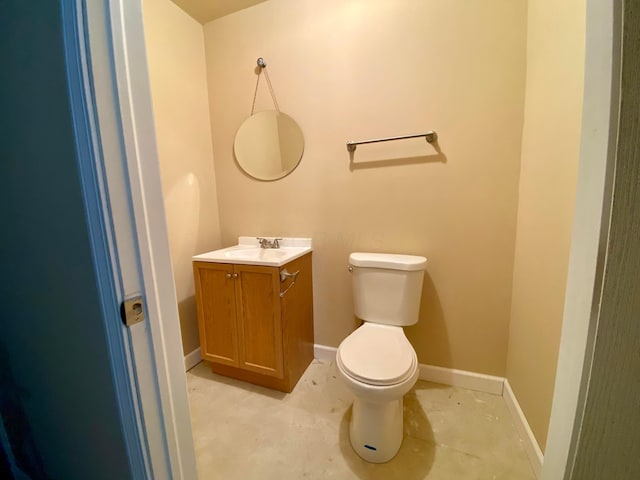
[246, 432]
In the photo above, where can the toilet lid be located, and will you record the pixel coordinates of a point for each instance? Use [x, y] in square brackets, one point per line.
[377, 355]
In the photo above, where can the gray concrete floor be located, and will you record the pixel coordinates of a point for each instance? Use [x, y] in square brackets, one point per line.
[242, 431]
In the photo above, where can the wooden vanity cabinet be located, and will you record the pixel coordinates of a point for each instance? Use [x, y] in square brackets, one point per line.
[247, 330]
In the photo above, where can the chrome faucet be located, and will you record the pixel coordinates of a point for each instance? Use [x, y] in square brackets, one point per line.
[266, 243]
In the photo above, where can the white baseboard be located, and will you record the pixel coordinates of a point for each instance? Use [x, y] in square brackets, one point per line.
[522, 426]
[446, 376]
[473, 381]
[462, 378]
[192, 359]
[324, 353]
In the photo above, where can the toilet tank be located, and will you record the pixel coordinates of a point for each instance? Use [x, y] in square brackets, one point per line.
[387, 287]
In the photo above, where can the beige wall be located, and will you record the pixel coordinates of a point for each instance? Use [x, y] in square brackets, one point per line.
[175, 52]
[361, 69]
[550, 150]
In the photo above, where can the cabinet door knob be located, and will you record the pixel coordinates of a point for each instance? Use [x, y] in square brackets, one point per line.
[235, 275]
[228, 275]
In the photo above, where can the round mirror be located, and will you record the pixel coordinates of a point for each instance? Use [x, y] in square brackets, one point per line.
[269, 145]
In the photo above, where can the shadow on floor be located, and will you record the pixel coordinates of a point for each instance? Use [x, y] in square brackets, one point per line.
[203, 370]
[415, 457]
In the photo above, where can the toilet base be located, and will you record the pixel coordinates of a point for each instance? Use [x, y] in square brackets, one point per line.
[375, 429]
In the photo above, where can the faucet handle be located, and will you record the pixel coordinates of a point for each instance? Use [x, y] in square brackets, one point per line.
[266, 243]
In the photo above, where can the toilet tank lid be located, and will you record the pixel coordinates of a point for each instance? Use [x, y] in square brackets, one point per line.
[390, 261]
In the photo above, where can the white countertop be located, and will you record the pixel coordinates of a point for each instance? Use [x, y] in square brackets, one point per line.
[248, 252]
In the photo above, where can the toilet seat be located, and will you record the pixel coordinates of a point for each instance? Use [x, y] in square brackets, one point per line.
[377, 355]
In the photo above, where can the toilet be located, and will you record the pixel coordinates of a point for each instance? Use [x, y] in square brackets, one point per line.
[377, 362]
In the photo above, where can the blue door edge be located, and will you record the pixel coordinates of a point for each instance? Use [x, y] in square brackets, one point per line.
[95, 196]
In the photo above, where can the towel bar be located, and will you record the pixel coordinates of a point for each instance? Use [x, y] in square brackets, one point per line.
[430, 136]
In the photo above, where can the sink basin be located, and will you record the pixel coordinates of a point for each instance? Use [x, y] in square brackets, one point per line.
[256, 253]
[248, 252]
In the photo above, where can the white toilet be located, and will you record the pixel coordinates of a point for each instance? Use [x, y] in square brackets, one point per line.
[377, 362]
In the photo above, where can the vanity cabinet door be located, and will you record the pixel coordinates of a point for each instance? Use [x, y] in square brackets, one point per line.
[259, 319]
[215, 301]
[247, 331]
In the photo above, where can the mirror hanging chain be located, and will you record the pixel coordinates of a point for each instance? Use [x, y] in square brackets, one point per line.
[262, 65]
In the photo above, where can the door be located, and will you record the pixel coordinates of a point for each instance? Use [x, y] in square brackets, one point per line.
[111, 110]
[259, 319]
[215, 300]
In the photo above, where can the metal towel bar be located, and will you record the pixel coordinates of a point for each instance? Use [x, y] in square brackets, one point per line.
[430, 136]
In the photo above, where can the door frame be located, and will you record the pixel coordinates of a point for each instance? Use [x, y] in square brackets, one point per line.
[100, 233]
[120, 175]
[124, 23]
[594, 199]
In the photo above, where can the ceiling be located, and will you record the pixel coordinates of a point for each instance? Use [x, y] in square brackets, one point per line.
[206, 10]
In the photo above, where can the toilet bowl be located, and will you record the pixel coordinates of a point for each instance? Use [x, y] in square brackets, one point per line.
[378, 373]
[377, 362]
